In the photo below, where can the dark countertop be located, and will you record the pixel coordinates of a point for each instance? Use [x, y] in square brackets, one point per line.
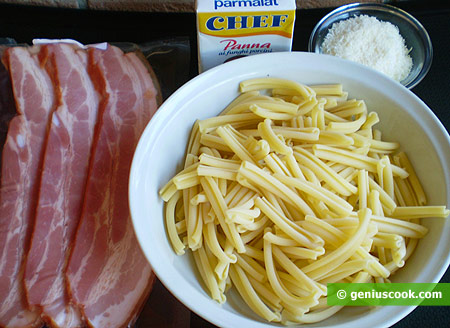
[160, 5]
[24, 23]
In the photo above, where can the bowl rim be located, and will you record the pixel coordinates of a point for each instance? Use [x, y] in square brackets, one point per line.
[161, 115]
[381, 7]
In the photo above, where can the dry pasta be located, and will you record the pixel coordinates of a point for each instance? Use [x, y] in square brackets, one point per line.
[291, 188]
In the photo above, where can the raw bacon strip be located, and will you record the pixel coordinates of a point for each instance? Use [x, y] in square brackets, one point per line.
[64, 175]
[148, 87]
[21, 163]
[109, 277]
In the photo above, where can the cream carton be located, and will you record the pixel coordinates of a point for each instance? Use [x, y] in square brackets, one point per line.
[227, 30]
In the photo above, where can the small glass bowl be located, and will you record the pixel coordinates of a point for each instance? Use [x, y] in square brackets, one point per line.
[415, 35]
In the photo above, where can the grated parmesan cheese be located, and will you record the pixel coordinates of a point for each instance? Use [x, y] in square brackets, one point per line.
[368, 41]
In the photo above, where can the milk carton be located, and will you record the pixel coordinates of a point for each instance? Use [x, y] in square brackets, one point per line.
[227, 30]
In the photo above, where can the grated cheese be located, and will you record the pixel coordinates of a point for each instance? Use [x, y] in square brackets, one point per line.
[368, 41]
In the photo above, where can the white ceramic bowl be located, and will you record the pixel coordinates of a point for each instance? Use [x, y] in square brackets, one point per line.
[161, 150]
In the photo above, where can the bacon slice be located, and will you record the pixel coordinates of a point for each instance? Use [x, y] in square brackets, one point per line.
[21, 164]
[64, 175]
[109, 277]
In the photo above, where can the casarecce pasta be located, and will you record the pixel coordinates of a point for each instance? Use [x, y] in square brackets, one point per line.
[291, 188]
